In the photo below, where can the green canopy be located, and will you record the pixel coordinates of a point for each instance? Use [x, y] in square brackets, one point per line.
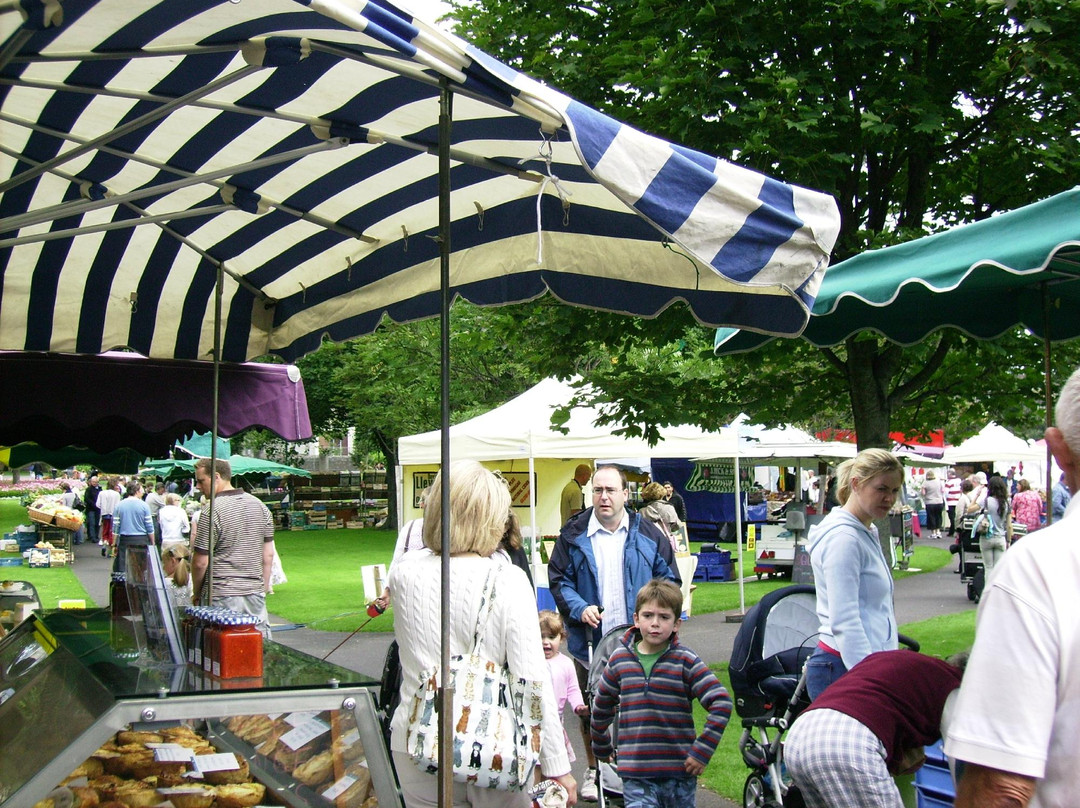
[118, 461]
[1020, 268]
[241, 465]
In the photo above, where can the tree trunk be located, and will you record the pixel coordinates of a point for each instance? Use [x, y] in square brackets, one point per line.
[389, 449]
[869, 376]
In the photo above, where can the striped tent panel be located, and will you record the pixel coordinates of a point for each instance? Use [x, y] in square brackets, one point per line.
[146, 147]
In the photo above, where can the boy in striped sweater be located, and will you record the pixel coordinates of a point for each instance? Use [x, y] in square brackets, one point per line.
[651, 680]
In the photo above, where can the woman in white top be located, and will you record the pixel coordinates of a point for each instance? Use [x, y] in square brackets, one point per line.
[173, 520]
[479, 503]
[933, 495]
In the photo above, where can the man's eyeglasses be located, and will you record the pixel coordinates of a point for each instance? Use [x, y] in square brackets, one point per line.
[606, 492]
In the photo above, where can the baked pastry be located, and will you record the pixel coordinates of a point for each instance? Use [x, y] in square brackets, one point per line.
[348, 747]
[239, 795]
[106, 786]
[253, 728]
[137, 794]
[85, 797]
[194, 796]
[89, 768]
[356, 794]
[125, 737]
[242, 774]
[167, 772]
[125, 763]
[316, 770]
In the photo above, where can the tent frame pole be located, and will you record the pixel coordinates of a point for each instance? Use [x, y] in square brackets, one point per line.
[446, 694]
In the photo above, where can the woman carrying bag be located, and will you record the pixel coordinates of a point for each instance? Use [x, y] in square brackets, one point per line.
[492, 615]
[993, 543]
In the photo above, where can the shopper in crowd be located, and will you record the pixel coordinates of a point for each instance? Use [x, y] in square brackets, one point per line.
[1014, 721]
[675, 500]
[977, 499]
[933, 497]
[155, 500]
[107, 501]
[647, 692]
[603, 556]
[660, 513]
[1061, 496]
[243, 545]
[853, 579]
[510, 634]
[70, 498]
[992, 544]
[561, 667]
[871, 725]
[952, 496]
[572, 498]
[1027, 506]
[132, 525]
[93, 513]
[173, 521]
[176, 565]
[512, 546]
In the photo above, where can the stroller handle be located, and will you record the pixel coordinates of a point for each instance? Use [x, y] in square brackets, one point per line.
[910, 642]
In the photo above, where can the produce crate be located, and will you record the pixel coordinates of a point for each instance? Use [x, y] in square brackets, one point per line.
[68, 524]
[41, 517]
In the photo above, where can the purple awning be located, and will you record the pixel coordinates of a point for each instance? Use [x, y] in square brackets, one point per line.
[123, 400]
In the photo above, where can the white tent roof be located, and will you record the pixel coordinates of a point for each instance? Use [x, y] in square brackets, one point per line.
[522, 428]
[995, 443]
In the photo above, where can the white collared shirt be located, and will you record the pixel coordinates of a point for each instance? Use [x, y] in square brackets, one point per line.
[608, 550]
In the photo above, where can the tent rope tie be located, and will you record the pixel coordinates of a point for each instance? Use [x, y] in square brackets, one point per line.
[480, 216]
[405, 238]
[545, 154]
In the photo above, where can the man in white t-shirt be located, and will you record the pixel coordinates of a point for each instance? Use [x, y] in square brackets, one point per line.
[1014, 723]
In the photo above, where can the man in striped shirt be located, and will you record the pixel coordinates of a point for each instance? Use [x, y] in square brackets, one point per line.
[243, 545]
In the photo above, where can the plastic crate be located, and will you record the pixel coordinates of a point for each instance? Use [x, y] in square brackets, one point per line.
[721, 572]
[932, 799]
[935, 777]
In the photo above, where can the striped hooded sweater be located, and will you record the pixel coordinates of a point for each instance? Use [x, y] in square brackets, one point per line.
[655, 718]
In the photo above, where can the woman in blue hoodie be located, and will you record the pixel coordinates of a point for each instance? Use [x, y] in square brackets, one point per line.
[852, 576]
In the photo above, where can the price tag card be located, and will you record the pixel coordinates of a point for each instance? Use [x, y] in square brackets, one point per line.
[350, 737]
[222, 761]
[304, 733]
[172, 753]
[296, 719]
[339, 788]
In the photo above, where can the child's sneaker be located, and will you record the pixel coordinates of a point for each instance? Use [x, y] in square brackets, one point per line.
[587, 789]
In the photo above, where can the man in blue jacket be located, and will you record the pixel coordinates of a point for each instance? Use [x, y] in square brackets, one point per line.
[602, 557]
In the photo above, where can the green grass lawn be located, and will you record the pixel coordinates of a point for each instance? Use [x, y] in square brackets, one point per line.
[53, 584]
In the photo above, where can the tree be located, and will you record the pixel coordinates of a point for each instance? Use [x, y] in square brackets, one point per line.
[387, 384]
[914, 114]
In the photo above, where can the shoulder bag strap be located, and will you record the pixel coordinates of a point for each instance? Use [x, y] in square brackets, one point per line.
[487, 601]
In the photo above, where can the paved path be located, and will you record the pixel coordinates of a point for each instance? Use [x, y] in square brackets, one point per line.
[918, 597]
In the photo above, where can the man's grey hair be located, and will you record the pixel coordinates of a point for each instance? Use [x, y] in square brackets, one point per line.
[1067, 412]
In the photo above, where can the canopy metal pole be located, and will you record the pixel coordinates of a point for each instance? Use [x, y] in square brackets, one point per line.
[1049, 400]
[219, 291]
[446, 696]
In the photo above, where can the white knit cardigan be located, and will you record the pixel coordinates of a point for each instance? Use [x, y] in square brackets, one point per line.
[512, 633]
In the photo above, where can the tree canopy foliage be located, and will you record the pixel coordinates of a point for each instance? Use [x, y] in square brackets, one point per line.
[914, 114]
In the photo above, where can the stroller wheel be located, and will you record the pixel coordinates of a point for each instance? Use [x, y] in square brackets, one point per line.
[756, 794]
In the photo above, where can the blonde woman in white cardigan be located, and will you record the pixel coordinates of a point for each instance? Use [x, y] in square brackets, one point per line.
[479, 503]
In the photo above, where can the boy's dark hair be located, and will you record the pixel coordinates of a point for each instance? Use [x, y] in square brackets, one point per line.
[660, 591]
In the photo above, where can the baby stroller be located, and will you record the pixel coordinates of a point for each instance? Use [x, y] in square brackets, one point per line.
[768, 684]
[607, 773]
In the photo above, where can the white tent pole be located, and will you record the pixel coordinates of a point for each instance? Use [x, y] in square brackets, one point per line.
[738, 527]
[534, 555]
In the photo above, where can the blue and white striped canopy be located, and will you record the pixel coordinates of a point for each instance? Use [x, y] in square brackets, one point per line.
[145, 144]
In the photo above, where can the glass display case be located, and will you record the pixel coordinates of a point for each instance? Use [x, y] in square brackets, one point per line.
[83, 724]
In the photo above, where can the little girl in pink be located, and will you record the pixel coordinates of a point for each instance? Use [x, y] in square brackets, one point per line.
[563, 676]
